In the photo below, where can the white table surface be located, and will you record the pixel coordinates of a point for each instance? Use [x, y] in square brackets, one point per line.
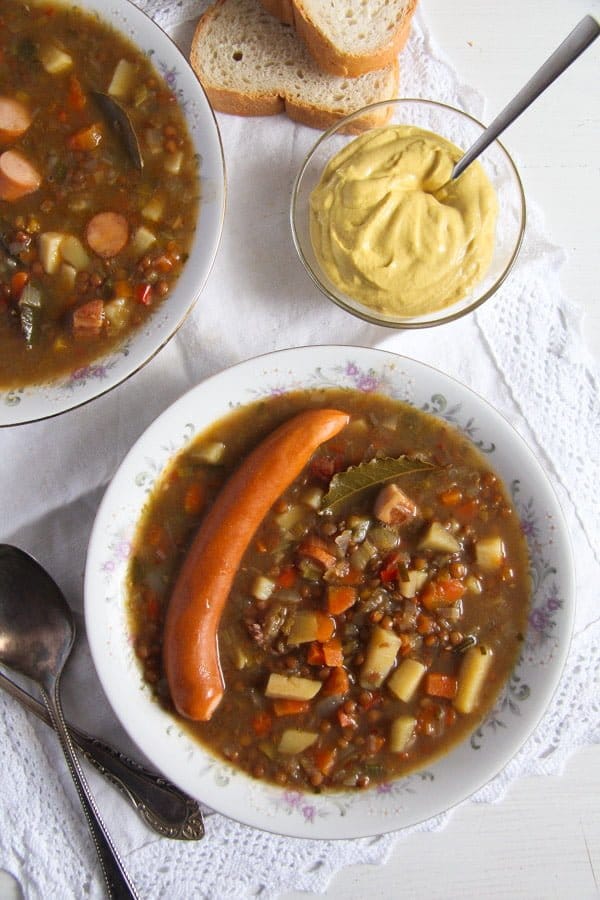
[543, 839]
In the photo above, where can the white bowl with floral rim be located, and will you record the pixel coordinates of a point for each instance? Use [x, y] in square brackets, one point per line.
[30, 403]
[388, 806]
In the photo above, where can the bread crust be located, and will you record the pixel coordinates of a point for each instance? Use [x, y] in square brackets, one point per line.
[325, 53]
[257, 102]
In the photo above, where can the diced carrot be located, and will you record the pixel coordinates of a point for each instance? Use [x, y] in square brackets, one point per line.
[317, 550]
[352, 576]
[340, 598]
[17, 283]
[75, 96]
[163, 263]
[437, 684]
[332, 651]
[86, 139]
[262, 723]
[451, 497]
[325, 627]
[314, 655]
[152, 604]
[283, 707]
[425, 624]
[158, 539]
[194, 497]
[287, 577]
[441, 593]
[467, 511]
[325, 759]
[122, 288]
[450, 589]
[337, 684]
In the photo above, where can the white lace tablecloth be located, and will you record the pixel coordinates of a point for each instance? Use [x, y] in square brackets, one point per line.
[522, 351]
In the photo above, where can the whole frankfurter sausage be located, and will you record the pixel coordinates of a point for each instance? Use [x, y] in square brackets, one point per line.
[190, 650]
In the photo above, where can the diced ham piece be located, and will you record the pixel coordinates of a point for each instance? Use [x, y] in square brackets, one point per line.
[88, 319]
[392, 506]
[18, 177]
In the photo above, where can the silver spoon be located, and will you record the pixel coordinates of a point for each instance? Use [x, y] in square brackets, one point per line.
[573, 46]
[163, 807]
[36, 636]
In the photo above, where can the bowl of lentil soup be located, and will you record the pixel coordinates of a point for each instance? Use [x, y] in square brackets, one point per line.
[394, 626]
[112, 191]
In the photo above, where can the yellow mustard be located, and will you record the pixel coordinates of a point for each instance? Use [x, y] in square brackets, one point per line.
[391, 231]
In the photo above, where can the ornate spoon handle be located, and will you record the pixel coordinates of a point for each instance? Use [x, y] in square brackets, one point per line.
[164, 808]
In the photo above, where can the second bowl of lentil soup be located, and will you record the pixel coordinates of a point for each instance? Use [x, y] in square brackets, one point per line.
[111, 199]
[324, 592]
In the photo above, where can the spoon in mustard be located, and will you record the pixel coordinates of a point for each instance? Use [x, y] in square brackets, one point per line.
[566, 53]
[36, 637]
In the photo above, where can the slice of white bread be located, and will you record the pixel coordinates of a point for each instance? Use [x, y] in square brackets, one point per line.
[348, 37]
[251, 64]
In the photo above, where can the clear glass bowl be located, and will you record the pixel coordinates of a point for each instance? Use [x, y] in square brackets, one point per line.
[462, 130]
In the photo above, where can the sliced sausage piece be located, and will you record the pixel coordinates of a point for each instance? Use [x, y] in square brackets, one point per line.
[18, 177]
[190, 647]
[107, 233]
[15, 119]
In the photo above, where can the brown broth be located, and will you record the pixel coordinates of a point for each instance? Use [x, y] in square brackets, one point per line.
[461, 492]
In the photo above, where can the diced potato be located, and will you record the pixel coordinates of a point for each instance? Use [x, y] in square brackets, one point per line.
[211, 453]
[117, 312]
[292, 687]
[471, 677]
[291, 517]
[405, 680]
[380, 657]
[439, 538]
[305, 627]
[54, 60]
[143, 239]
[411, 587]
[67, 275]
[473, 584]
[49, 248]
[490, 553]
[312, 497]
[73, 252]
[154, 209]
[173, 162]
[401, 733]
[124, 77]
[295, 741]
[262, 587]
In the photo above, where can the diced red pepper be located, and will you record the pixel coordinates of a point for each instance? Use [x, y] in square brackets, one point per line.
[143, 294]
